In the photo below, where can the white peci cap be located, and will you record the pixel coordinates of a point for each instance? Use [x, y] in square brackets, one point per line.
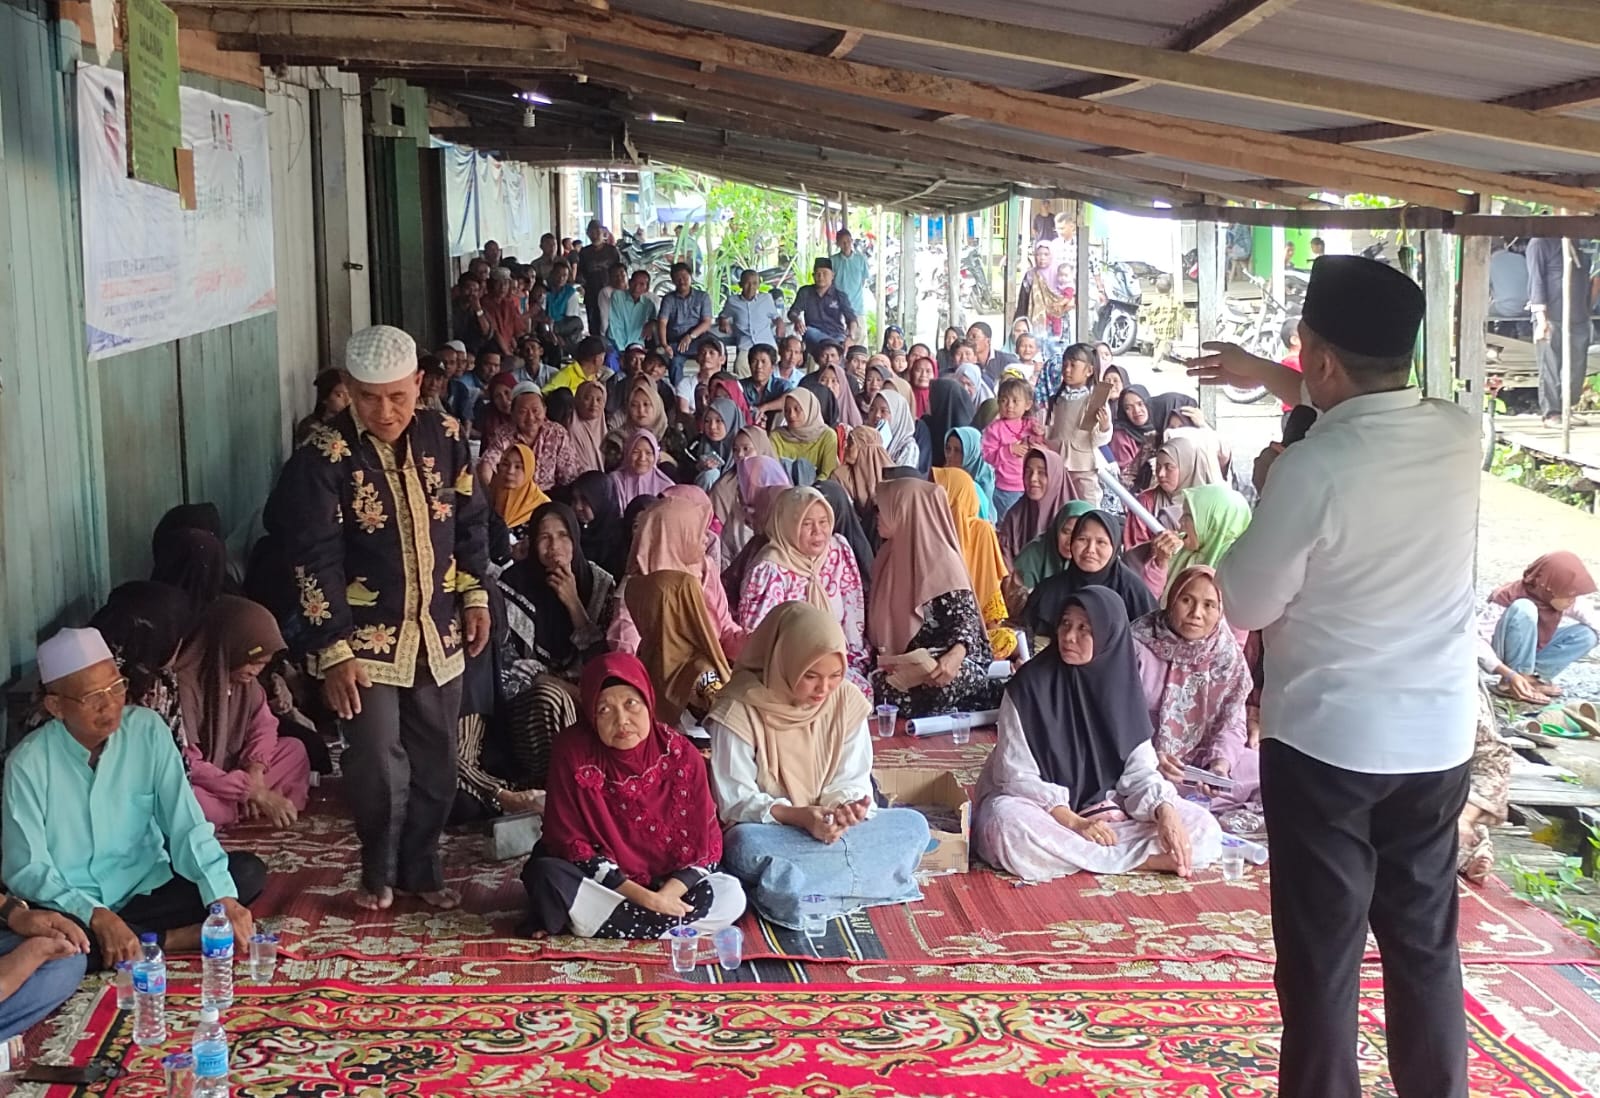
[69, 652]
[380, 354]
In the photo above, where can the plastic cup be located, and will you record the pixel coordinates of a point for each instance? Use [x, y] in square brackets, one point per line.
[886, 717]
[685, 944]
[814, 915]
[263, 956]
[1232, 863]
[960, 728]
[730, 947]
[179, 1071]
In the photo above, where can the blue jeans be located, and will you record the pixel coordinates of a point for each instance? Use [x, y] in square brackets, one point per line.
[871, 864]
[1003, 502]
[1516, 642]
[41, 993]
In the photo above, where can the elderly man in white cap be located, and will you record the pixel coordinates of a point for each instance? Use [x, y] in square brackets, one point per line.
[100, 823]
[388, 543]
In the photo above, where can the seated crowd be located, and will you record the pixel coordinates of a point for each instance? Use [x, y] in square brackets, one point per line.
[697, 583]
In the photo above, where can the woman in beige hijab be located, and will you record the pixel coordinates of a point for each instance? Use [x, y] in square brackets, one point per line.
[791, 768]
[922, 599]
[803, 560]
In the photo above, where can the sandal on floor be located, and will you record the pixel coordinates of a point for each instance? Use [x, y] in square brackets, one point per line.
[1584, 715]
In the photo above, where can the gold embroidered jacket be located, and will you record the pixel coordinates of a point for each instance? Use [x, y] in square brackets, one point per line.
[386, 543]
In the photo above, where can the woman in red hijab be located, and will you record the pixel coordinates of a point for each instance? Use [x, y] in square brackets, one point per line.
[631, 840]
[1537, 627]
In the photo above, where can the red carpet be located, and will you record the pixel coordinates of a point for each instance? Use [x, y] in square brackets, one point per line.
[812, 1042]
[977, 916]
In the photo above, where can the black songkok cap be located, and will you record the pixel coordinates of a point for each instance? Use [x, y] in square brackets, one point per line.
[1363, 306]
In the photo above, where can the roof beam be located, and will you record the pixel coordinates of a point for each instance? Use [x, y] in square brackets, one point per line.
[1563, 20]
[299, 48]
[1578, 93]
[1241, 149]
[625, 69]
[1204, 36]
[1162, 66]
[374, 28]
[730, 99]
[841, 45]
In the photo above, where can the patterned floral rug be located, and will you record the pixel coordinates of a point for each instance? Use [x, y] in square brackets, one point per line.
[818, 1042]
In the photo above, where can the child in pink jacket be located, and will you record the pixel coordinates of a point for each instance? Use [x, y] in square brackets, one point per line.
[1008, 439]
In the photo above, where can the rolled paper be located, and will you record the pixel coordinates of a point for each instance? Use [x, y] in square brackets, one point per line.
[1129, 500]
[933, 726]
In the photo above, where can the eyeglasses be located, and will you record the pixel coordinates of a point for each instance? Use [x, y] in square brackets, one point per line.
[96, 699]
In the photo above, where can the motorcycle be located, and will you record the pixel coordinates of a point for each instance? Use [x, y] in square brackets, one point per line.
[1258, 330]
[977, 295]
[654, 256]
[1118, 321]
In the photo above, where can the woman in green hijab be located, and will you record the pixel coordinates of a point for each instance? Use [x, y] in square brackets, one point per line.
[1214, 517]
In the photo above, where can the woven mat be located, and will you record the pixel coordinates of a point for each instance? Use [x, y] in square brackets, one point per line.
[871, 1040]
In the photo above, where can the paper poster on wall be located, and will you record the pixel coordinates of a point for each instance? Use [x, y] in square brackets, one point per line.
[153, 271]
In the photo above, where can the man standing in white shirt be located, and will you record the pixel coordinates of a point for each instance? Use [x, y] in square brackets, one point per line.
[1358, 569]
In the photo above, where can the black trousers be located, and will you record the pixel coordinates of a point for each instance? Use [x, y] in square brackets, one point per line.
[400, 778]
[1350, 849]
[177, 904]
[1548, 355]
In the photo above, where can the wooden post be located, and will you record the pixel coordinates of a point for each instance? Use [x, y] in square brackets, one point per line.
[910, 292]
[1009, 276]
[1279, 240]
[952, 274]
[1083, 287]
[1471, 348]
[844, 210]
[880, 244]
[1567, 262]
[1213, 249]
[1438, 273]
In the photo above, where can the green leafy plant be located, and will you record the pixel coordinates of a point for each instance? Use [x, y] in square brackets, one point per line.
[1551, 890]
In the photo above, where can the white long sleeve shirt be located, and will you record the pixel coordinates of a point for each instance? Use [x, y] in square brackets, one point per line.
[1012, 771]
[1358, 567]
[735, 778]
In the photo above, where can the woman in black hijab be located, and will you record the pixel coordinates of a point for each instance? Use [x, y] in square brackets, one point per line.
[949, 407]
[604, 541]
[144, 623]
[847, 523]
[193, 560]
[1074, 782]
[829, 403]
[1096, 562]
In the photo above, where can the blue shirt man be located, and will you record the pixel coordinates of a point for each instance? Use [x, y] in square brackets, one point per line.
[100, 822]
[629, 312]
[682, 318]
[850, 271]
[751, 316]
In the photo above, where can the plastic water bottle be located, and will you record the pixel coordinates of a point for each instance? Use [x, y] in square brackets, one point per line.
[210, 1056]
[150, 994]
[216, 960]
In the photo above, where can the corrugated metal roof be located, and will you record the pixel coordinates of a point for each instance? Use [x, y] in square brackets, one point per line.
[1478, 152]
[1410, 51]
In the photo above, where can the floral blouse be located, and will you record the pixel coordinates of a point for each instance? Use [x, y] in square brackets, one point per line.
[767, 584]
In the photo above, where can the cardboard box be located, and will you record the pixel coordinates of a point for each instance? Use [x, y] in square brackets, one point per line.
[948, 851]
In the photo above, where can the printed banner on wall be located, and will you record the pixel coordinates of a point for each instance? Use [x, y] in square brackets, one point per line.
[154, 272]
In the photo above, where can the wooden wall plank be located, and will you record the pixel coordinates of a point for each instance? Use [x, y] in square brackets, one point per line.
[144, 466]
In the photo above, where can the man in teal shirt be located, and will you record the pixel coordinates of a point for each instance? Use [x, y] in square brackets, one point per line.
[850, 272]
[94, 802]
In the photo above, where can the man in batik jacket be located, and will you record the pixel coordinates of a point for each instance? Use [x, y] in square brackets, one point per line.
[387, 542]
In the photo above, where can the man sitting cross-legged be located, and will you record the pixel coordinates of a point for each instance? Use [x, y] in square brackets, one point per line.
[100, 822]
